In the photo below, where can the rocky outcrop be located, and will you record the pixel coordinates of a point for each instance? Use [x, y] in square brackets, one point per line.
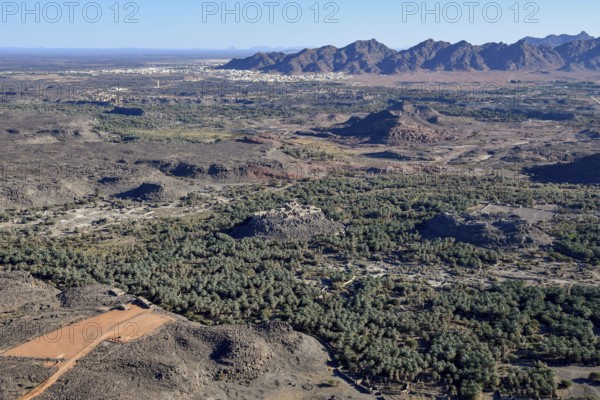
[585, 170]
[486, 231]
[291, 222]
[403, 125]
[153, 192]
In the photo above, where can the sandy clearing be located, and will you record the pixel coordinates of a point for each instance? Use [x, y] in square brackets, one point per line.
[578, 375]
[531, 215]
[140, 326]
[67, 342]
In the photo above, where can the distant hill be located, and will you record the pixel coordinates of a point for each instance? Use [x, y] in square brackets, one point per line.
[486, 231]
[405, 124]
[290, 222]
[373, 57]
[557, 40]
[361, 56]
[585, 170]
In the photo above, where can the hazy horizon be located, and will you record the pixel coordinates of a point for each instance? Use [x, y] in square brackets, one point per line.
[253, 48]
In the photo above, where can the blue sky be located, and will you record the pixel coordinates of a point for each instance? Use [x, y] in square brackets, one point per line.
[182, 24]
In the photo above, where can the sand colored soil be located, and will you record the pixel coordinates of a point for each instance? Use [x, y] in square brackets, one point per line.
[139, 326]
[71, 340]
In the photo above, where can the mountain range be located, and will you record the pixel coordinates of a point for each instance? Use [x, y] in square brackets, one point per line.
[557, 40]
[582, 52]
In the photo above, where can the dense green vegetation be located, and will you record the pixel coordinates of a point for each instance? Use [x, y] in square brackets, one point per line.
[308, 153]
[581, 240]
[387, 329]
